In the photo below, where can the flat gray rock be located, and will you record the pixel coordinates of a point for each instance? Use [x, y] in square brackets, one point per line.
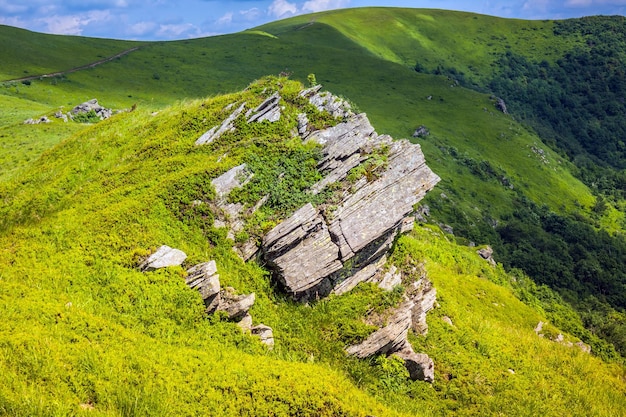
[162, 258]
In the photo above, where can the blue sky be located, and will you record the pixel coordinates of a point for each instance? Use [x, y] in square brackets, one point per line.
[181, 19]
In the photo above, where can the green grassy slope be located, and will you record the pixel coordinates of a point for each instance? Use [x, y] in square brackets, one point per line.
[26, 53]
[432, 38]
[493, 168]
[84, 332]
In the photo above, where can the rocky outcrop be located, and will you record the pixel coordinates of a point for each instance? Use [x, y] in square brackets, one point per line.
[205, 279]
[313, 252]
[162, 258]
[268, 110]
[392, 338]
[92, 105]
[226, 126]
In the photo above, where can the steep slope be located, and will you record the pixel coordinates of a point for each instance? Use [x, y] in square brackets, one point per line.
[85, 332]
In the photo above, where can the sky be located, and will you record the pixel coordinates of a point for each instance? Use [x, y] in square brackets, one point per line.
[183, 19]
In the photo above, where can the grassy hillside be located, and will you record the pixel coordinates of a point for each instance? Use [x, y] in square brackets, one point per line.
[543, 185]
[86, 333]
[503, 184]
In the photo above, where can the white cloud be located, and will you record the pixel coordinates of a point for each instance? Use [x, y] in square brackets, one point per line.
[578, 3]
[12, 8]
[226, 19]
[73, 24]
[320, 5]
[250, 14]
[141, 28]
[282, 8]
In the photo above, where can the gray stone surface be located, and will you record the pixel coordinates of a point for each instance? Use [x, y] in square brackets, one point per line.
[301, 251]
[309, 251]
[424, 296]
[162, 258]
[236, 306]
[420, 366]
[265, 333]
[268, 110]
[86, 107]
[390, 279]
[231, 179]
[226, 126]
[204, 278]
[388, 339]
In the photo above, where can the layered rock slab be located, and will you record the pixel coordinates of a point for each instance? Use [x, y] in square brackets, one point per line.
[313, 253]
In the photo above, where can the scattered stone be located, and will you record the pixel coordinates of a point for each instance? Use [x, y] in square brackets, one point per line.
[230, 214]
[303, 124]
[162, 258]
[421, 132]
[265, 333]
[233, 178]
[391, 279]
[487, 254]
[268, 110]
[448, 320]
[246, 323]
[42, 119]
[389, 339]
[325, 101]
[447, 229]
[236, 306]
[92, 105]
[423, 295]
[584, 347]
[501, 105]
[392, 339]
[60, 115]
[422, 213]
[217, 131]
[420, 366]
[511, 371]
[205, 279]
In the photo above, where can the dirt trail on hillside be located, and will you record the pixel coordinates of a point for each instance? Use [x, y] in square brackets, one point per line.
[82, 67]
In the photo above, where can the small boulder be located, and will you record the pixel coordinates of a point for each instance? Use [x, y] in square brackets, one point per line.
[205, 279]
[265, 333]
[501, 105]
[487, 254]
[421, 132]
[236, 306]
[420, 366]
[162, 258]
